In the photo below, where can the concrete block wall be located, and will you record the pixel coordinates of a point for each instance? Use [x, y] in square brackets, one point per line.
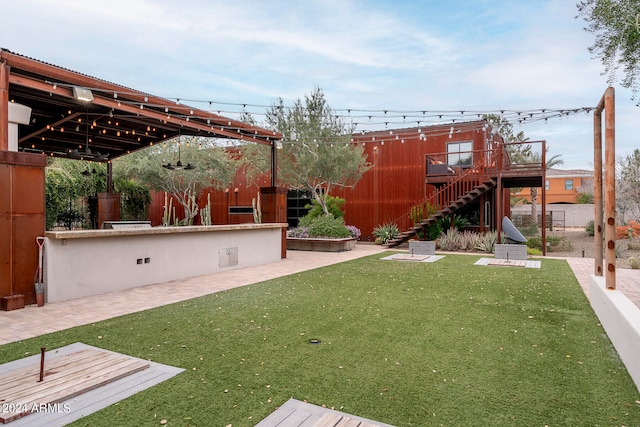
[621, 320]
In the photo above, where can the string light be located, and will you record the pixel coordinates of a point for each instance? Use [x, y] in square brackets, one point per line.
[393, 120]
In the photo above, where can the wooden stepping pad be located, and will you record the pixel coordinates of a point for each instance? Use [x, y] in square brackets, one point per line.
[338, 420]
[508, 262]
[65, 377]
[409, 257]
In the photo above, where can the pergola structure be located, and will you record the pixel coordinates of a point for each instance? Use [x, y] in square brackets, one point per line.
[63, 113]
[78, 116]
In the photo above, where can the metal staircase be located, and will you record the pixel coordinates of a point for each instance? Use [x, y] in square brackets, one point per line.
[467, 186]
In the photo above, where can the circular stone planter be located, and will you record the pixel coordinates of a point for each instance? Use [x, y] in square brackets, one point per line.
[320, 245]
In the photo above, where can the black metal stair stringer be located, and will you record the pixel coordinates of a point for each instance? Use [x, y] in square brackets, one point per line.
[447, 210]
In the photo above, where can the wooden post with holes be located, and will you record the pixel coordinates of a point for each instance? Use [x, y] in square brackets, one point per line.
[598, 206]
[608, 215]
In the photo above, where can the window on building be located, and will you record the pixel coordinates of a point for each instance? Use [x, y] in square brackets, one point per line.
[459, 153]
[568, 184]
[546, 185]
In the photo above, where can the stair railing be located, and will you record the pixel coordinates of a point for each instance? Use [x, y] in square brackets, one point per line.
[467, 180]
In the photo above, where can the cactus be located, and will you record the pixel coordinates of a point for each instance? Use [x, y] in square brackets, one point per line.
[205, 212]
[257, 210]
[166, 211]
[634, 263]
[416, 214]
[191, 209]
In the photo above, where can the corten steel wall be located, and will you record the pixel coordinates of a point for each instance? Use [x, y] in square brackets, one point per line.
[397, 179]
[22, 210]
[387, 191]
[238, 193]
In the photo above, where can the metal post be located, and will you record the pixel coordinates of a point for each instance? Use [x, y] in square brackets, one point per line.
[42, 350]
[544, 198]
[4, 106]
[274, 164]
[109, 178]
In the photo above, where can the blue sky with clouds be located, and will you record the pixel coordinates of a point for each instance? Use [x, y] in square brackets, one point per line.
[483, 55]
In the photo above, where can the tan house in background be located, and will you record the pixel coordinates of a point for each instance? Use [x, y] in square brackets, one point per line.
[563, 186]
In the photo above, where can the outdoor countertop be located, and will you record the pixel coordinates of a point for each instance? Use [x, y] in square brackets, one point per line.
[89, 234]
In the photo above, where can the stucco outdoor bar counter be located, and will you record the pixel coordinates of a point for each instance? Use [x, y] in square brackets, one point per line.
[92, 262]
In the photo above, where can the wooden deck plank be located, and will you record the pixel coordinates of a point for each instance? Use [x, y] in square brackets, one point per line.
[303, 414]
[65, 377]
[53, 379]
[329, 419]
[53, 373]
[508, 263]
[34, 369]
[296, 418]
[58, 392]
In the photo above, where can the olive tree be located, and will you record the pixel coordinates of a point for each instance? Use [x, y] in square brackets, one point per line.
[317, 153]
[616, 26]
[211, 166]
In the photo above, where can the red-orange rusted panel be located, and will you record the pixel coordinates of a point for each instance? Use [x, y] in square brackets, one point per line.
[5, 193]
[22, 220]
[6, 248]
[25, 229]
[28, 191]
[4, 109]
[108, 207]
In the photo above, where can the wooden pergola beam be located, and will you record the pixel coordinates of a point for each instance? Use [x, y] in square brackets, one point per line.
[216, 129]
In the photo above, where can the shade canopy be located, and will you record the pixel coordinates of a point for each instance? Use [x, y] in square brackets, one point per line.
[78, 116]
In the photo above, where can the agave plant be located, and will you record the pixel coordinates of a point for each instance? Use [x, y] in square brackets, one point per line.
[488, 242]
[386, 232]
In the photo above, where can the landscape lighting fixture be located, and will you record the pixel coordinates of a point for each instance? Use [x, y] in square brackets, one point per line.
[82, 94]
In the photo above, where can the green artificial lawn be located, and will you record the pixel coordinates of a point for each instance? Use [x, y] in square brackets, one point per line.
[409, 344]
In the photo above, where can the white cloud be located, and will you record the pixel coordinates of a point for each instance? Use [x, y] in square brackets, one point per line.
[480, 54]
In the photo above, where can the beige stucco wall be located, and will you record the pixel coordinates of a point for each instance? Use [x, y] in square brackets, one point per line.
[84, 263]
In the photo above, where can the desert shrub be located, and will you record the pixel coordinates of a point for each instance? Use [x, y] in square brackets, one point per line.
[533, 251]
[584, 198]
[590, 228]
[559, 244]
[474, 240]
[458, 222]
[386, 232]
[448, 241]
[334, 206]
[299, 232]
[432, 232]
[455, 240]
[530, 229]
[633, 245]
[488, 242]
[628, 231]
[634, 263]
[534, 243]
[355, 231]
[554, 244]
[327, 226]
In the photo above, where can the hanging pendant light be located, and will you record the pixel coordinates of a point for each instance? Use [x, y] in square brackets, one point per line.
[179, 165]
[86, 153]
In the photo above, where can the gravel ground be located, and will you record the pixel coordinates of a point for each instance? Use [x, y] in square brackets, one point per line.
[581, 241]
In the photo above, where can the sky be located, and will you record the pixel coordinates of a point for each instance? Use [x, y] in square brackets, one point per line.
[405, 55]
